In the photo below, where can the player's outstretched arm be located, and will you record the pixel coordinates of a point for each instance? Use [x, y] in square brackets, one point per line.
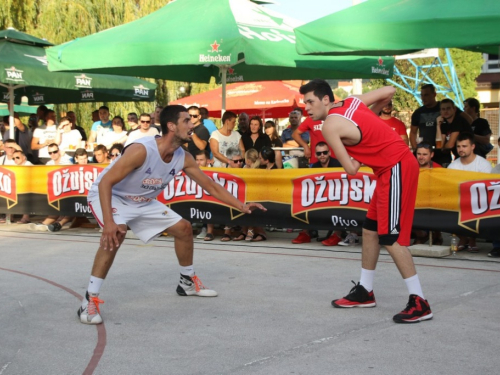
[214, 189]
[377, 99]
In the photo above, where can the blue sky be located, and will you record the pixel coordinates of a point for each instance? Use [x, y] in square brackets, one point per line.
[308, 10]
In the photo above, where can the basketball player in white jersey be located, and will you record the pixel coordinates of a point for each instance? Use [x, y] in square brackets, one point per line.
[125, 194]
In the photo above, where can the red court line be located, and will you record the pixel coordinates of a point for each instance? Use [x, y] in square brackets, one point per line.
[270, 253]
[101, 329]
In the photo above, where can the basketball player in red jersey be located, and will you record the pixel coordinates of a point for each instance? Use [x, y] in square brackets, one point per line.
[358, 136]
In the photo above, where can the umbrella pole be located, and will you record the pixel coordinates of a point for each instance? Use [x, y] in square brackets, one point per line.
[11, 112]
[223, 70]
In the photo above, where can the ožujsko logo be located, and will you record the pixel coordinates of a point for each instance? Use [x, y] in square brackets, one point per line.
[183, 189]
[380, 69]
[82, 81]
[214, 55]
[141, 92]
[326, 191]
[478, 200]
[70, 181]
[8, 187]
[14, 75]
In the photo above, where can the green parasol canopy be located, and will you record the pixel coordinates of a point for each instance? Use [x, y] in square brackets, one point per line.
[192, 40]
[398, 27]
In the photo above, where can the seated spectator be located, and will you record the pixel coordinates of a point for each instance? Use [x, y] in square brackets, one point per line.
[480, 127]
[57, 157]
[21, 160]
[252, 159]
[10, 146]
[255, 137]
[100, 155]
[425, 153]
[67, 138]
[43, 136]
[224, 139]
[118, 135]
[468, 161]
[22, 134]
[81, 156]
[267, 158]
[145, 129]
[270, 130]
[115, 151]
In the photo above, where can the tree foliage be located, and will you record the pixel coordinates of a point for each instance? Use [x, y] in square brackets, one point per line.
[467, 65]
[60, 21]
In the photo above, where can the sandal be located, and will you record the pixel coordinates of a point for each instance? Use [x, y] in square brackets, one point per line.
[250, 235]
[23, 221]
[225, 238]
[473, 249]
[241, 237]
[209, 237]
[259, 237]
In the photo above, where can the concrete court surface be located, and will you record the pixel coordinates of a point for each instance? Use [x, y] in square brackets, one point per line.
[272, 316]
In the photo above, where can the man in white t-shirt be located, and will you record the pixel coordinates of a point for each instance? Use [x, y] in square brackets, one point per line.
[44, 135]
[468, 161]
[57, 157]
[223, 139]
[67, 136]
[10, 146]
[144, 130]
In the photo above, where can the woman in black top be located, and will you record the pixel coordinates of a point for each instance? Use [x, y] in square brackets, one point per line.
[255, 137]
[270, 129]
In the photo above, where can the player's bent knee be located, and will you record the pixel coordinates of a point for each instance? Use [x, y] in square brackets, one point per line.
[182, 229]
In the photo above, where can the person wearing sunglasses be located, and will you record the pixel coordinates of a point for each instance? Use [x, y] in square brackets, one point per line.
[57, 157]
[115, 151]
[20, 158]
[144, 130]
[9, 146]
[67, 137]
[201, 134]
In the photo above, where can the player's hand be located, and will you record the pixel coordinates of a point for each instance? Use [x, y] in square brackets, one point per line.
[109, 237]
[249, 207]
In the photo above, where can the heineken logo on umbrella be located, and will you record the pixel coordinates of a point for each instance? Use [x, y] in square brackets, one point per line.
[219, 58]
[14, 74]
[83, 81]
[141, 91]
[38, 98]
[232, 76]
[380, 69]
[87, 95]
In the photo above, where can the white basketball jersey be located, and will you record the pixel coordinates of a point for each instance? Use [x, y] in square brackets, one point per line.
[144, 184]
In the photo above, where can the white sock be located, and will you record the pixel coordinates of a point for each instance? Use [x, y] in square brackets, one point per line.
[187, 271]
[414, 287]
[366, 279]
[95, 284]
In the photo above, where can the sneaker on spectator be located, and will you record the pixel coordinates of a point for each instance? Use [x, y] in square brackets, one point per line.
[203, 234]
[192, 286]
[495, 253]
[416, 310]
[54, 227]
[303, 237]
[357, 297]
[351, 239]
[89, 310]
[39, 227]
[333, 240]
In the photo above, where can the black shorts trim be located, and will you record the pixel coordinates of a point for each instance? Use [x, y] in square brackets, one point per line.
[370, 224]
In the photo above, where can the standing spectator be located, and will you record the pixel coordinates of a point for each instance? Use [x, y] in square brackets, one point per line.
[424, 119]
[468, 161]
[451, 125]
[67, 138]
[9, 146]
[155, 121]
[115, 151]
[101, 127]
[270, 130]
[397, 125]
[209, 124]
[100, 154]
[118, 135]
[255, 137]
[72, 117]
[41, 114]
[145, 129]
[201, 135]
[133, 122]
[43, 136]
[95, 116]
[480, 127]
[56, 156]
[286, 136]
[225, 138]
[243, 123]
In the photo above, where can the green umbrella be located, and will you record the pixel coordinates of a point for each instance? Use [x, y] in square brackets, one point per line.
[192, 40]
[22, 110]
[23, 72]
[398, 27]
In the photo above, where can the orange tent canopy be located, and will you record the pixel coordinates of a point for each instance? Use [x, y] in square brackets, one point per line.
[267, 99]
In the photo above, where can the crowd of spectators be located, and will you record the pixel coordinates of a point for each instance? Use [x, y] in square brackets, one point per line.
[441, 135]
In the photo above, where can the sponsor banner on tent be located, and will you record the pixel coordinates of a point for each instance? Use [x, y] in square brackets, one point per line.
[452, 201]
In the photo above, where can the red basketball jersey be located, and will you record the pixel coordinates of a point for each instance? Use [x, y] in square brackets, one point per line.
[380, 147]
